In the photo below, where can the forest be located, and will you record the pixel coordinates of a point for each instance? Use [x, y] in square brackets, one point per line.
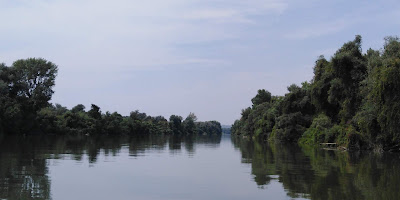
[353, 100]
[26, 87]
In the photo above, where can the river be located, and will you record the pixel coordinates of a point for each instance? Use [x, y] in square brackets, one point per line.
[203, 167]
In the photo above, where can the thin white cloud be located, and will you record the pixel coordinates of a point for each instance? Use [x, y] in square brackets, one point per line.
[102, 33]
[364, 14]
[218, 16]
[320, 29]
[238, 11]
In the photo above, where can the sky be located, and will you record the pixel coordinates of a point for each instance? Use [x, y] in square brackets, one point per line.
[167, 57]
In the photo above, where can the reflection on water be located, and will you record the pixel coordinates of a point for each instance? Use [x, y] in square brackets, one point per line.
[319, 174]
[23, 170]
[209, 167]
[23, 160]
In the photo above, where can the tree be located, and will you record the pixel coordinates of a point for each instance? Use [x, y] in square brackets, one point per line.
[25, 88]
[349, 69]
[113, 123]
[175, 124]
[32, 82]
[297, 112]
[78, 108]
[261, 97]
[3, 94]
[379, 117]
[95, 112]
[209, 128]
[189, 124]
[136, 115]
[60, 110]
[335, 86]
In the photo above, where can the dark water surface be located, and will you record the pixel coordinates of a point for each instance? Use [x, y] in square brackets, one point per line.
[159, 167]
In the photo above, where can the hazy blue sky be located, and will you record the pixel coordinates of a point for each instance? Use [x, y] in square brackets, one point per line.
[168, 57]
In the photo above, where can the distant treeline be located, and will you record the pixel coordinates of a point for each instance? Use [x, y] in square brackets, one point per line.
[25, 91]
[226, 129]
[353, 100]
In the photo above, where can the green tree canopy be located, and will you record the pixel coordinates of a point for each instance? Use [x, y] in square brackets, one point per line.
[261, 97]
[78, 108]
[32, 81]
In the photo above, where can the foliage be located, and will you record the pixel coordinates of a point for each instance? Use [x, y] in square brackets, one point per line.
[317, 133]
[189, 125]
[259, 120]
[261, 97]
[25, 91]
[209, 128]
[352, 100]
[25, 87]
[175, 123]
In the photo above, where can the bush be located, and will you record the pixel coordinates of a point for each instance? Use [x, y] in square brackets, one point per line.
[317, 133]
[290, 127]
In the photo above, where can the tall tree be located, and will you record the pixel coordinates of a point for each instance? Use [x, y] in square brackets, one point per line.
[95, 112]
[336, 84]
[380, 114]
[175, 124]
[189, 124]
[32, 82]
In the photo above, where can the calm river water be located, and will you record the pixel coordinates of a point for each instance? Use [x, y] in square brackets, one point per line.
[159, 167]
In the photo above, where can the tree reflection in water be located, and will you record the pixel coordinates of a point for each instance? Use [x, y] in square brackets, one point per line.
[24, 165]
[23, 170]
[319, 174]
[304, 172]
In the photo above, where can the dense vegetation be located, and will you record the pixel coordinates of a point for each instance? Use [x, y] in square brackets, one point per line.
[352, 100]
[25, 91]
[226, 129]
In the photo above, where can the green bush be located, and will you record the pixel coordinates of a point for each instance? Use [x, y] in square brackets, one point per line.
[317, 133]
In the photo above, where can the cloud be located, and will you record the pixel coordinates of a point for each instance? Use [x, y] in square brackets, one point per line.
[320, 29]
[144, 34]
[238, 12]
[331, 18]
